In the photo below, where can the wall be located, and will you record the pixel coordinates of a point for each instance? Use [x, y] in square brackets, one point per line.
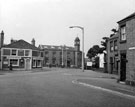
[130, 71]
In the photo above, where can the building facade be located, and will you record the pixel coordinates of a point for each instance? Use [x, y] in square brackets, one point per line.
[127, 49]
[62, 55]
[112, 54]
[121, 50]
[21, 54]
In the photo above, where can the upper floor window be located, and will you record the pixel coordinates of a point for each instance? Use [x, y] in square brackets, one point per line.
[115, 45]
[20, 52]
[123, 33]
[42, 55]
[111, 46]
[14, 51]
[27, 52]
[54, 53]
[46, 52]
[6, 51]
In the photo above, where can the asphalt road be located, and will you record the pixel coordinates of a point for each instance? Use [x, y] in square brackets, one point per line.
[54, 89]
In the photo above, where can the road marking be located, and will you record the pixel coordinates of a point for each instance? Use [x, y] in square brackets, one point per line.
[104, 89]
[66, 74]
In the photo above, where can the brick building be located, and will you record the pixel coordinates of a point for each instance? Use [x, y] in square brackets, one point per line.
[127, 49]
[62, 55]
[112, 54]
[121, 50]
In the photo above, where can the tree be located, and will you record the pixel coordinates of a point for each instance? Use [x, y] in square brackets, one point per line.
[94, 51]
[104, 43]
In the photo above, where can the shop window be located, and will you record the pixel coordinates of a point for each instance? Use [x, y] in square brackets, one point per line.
[20, 52]
[15, 62]
[14, 51]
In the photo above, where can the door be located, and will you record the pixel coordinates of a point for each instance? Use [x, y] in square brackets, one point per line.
[123, 67]
[27, 65]
[111, 65]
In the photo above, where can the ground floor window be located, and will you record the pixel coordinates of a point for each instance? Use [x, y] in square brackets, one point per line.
[38, 63]
[15, 62]
[34, 63]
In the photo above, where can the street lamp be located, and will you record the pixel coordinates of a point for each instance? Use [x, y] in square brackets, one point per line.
[82, 44]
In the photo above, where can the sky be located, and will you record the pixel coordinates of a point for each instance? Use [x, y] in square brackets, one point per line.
[48, 21]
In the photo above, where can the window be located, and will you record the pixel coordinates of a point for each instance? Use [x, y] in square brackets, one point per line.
[20, 52]
[42, 55]
[54, 61]
[46, 52]
[115, 45]
[46, 60]
[14, 52]
[27, 52]
[111, 46]
[15, 62]
[6, 51]
[34, 63]
[123, 33]
[54, 53]
[38, 63]
[60, 53]
[35, 53]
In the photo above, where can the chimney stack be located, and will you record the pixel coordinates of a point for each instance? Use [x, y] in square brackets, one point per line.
[33, 42]
[1, 38]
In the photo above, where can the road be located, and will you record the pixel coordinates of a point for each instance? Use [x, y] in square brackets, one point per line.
[54, 89]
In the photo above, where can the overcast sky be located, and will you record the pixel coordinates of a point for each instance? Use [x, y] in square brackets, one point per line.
[48, 21]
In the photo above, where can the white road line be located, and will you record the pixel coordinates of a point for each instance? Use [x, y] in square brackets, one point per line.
[66, 74]
[104, 89]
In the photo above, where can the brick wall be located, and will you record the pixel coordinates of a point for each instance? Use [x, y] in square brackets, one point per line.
[130, 71]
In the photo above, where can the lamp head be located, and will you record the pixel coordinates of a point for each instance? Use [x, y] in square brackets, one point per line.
[71, 27]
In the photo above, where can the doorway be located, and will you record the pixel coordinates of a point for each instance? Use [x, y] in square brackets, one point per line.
[27, 65]
[123, 67]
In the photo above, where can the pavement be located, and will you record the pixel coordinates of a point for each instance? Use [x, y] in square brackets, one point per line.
[104, 81]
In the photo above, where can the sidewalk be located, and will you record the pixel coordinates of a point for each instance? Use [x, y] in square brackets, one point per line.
[106, 81]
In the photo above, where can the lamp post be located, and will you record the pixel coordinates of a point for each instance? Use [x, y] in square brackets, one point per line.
[82, 44]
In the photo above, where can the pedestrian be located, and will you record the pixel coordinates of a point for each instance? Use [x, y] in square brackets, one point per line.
[10, 66]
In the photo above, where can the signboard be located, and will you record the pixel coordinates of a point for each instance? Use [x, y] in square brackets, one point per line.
[131, 48]
[89, 63]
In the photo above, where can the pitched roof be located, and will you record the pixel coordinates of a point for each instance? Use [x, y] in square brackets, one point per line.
[21, 44]
[127, 18]
[51, 47]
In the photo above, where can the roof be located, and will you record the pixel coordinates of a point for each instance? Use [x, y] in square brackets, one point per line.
[127, 18]
[21, 44]
[52, 47]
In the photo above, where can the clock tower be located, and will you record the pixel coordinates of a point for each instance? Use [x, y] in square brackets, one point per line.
[77, 44]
